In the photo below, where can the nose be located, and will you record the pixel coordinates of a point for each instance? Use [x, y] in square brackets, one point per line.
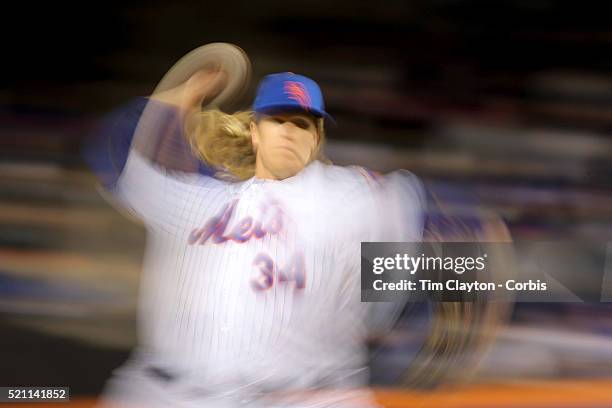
[288, 129]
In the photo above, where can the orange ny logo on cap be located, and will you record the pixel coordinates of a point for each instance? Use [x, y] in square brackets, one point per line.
[298, 93]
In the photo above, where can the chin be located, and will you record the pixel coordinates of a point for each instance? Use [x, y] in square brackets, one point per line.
[288, 171]
[286, 175]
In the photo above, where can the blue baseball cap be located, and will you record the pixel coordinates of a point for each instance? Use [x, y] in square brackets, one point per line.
[289, 91]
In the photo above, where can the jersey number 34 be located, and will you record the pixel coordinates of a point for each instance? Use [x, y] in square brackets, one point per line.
[270, 273]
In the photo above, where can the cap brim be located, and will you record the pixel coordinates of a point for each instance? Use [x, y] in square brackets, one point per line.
[294, 108]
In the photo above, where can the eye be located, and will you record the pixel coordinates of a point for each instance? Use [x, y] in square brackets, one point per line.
[301, 123]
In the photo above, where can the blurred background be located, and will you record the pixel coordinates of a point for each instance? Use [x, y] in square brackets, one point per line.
[504, 104]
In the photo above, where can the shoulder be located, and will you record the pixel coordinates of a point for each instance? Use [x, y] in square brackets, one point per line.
[339, 190]
[349, 183]
[343, 177]
[156, 175]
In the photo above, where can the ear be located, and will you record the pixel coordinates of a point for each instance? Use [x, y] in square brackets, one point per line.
[319, 131]
[254, 135]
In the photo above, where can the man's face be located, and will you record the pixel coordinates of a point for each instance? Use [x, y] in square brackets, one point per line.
[284, 143]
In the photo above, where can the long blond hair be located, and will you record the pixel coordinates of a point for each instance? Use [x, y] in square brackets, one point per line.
[223, 141]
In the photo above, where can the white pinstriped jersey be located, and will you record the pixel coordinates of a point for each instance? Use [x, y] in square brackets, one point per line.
[254, 286]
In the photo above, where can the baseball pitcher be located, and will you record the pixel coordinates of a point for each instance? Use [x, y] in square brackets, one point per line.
[250, 294]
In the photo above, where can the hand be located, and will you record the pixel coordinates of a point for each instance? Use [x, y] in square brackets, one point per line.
[203, 86]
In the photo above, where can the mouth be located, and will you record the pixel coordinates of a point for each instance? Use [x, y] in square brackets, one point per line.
[289, 149]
